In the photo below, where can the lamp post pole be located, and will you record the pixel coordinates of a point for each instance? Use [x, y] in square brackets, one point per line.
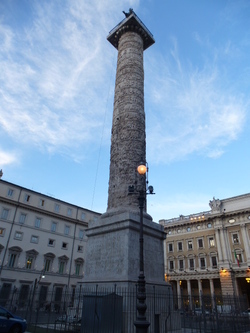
[141, 322]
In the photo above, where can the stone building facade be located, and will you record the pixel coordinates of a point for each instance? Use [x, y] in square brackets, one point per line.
[209, 253]
[42, 242]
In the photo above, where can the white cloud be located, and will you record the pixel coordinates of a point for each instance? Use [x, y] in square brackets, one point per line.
[56, 77]
[196, 111]
[7, 158]
[55, 72]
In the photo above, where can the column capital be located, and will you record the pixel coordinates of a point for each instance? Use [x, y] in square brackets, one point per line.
[131, 23]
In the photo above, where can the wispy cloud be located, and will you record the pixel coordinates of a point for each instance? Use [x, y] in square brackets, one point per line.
[54, 83]
[198, 112]
[54, 72]
[7, 158]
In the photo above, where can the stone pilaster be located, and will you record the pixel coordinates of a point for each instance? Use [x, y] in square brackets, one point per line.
[218, 244]
[245, 238]
[226, 281]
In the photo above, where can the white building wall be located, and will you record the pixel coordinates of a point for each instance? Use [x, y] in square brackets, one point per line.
[27, 239]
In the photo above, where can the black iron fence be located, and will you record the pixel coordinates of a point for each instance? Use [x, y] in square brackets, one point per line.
[110, 311]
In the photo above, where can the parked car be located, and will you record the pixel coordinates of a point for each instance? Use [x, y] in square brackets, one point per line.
[10, 323]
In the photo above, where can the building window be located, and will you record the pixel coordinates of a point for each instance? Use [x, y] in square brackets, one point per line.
[18, 235]
[64, 245]
[170, 232]
[198, 227]
[170, 247]
[202, 263]
[27, 198]
[238, 257]
[179, 246]
[235, 238]
[12, 260]
[77, 269]
[200, 243]
[81, 234]
[29, 262]
[10, 192]
[53, 226]
[69, 212]
[191, 264]
[57, 208]
[171, 265]
[51, 242]
[66, 230]
[41, 202]
[47, 265]
[80, 248]
[22, 218]
[34, 239]
[37, 222]
[188, 229]
[83, 215]
[2, 232]
[211, 242]
[5, 213]
[181, 265]
[61, 267]
[190, 245]
[209, 225]
[214, 262]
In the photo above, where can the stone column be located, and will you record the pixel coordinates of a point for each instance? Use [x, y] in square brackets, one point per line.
[200, 291]
[179, 294]
[128, 141]
[211, 282]
[189, 294]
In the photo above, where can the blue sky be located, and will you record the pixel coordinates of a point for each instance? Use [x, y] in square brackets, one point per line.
[56, 99]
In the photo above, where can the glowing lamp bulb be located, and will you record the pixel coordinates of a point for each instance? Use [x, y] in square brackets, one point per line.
[142, 169]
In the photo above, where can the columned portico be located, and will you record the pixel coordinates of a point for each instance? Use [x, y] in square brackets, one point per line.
[191, 291]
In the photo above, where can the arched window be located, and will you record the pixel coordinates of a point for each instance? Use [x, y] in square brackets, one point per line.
[30, 259]
[79, 266]
[48, 261]
[14, 253]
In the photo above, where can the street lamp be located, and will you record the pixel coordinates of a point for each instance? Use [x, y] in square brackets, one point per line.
[141, 322]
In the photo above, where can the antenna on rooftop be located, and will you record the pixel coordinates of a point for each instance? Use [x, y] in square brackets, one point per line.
[1, 173]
